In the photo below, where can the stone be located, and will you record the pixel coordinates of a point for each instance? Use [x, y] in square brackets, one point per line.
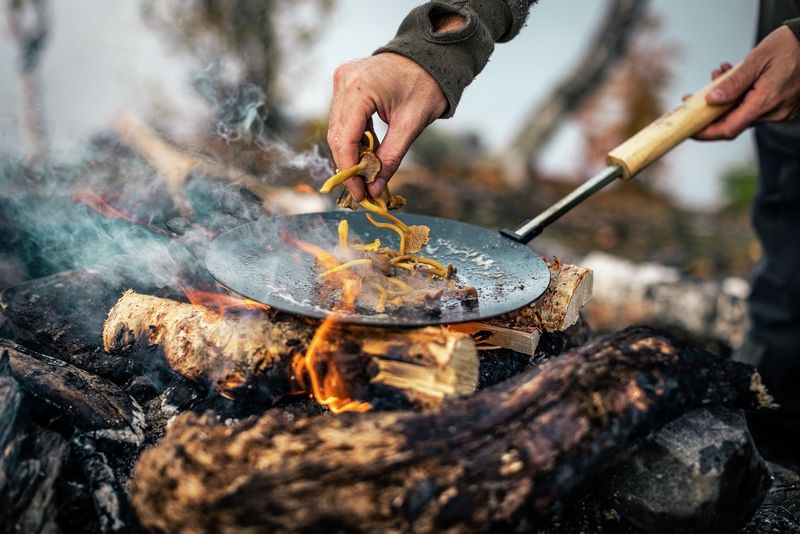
[699, 473]
[780, 510]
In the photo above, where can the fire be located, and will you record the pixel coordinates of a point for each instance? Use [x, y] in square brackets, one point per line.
[221, 302]
[101, 206]
[329, 389]
[305, 188]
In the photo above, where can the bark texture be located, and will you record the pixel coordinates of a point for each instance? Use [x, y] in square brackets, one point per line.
[513, 451]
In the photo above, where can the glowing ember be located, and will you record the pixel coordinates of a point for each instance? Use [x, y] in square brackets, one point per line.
[101, 206]
[221, 302]
[305, 188]
[329, 388]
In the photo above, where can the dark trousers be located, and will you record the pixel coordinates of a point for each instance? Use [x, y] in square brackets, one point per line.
[775, 297]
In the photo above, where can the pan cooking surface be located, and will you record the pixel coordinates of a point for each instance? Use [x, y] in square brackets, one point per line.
[259, 261]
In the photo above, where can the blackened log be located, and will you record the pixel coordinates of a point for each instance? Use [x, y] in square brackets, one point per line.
[68, 397]
[31, 460]
[62, 315]
[517, 450]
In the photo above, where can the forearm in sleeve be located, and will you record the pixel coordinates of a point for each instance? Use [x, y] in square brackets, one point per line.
[794, 25]
[454, 58]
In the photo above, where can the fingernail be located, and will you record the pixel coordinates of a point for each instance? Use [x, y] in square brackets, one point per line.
[717, 95]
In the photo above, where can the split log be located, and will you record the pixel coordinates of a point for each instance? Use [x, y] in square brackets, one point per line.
[512, 452]
[253, 353]
[175, 167]
[556, 310]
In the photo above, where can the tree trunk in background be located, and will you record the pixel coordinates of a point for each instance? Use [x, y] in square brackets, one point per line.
[29, 25]
[609, 44]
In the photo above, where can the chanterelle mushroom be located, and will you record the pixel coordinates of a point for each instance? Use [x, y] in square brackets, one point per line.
[368, 166]
[416, 237]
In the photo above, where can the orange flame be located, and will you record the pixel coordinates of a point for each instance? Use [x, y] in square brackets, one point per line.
[221, 302]
[101, 206]
[328, 387]
[305, 188]
[329, 390]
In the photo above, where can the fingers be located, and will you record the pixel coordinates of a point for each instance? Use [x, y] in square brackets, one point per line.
[722, 69]
[350, 114]
[393, 148]
[737, 120]
[736, 85]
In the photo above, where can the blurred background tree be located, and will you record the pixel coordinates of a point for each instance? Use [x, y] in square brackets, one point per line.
[245, 42]
[739, 186]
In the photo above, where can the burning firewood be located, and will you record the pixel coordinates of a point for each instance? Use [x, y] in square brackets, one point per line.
[510, 452]
[271, 356]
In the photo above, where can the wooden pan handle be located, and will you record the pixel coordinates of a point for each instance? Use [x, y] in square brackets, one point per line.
[664, 133]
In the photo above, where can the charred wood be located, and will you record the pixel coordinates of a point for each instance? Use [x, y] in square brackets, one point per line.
[109, 497]
[517, 450]
[31, 460]
[68, 397]
[503, 364]
[780, 511]
[62, 315]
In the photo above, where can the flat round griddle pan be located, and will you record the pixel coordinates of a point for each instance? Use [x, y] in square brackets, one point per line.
[260, 261]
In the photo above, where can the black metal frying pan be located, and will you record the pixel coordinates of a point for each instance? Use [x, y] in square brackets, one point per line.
[260, 262]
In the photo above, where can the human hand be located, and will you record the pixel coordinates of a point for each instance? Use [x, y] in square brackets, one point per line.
[767, 84]
[405, 97]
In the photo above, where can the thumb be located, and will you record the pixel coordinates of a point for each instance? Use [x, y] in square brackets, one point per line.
[392, 150]
[735, 85]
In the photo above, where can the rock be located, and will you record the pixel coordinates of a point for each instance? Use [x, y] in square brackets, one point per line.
[780, 510]
[699, 473]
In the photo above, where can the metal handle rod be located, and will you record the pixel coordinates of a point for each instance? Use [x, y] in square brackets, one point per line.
[530, 229]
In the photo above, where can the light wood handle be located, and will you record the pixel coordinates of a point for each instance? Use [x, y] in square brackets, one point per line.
[667, 131]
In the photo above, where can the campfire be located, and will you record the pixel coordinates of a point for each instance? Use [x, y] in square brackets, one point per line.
[151, 396]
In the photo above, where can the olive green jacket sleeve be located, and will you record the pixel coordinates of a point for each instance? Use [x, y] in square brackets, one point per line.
[454, 58]
[794, 25]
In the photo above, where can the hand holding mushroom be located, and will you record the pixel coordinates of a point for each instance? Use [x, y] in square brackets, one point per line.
[403, 94]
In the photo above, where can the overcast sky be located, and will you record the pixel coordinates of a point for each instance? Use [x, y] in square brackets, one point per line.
[101, 58]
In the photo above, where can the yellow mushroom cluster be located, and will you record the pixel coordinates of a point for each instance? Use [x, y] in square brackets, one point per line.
[373, 275]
